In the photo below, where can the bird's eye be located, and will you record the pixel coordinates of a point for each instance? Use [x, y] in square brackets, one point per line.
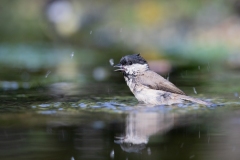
[123, 62]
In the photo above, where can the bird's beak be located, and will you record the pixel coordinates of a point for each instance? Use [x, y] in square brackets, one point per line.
[120, 68]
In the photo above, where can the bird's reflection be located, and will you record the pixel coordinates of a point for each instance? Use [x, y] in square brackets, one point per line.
[140, 126]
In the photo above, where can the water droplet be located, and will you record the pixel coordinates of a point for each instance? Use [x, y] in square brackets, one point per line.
[194, 90]
[111, 61]
[112, 154]
[47, 74]
[90, 32]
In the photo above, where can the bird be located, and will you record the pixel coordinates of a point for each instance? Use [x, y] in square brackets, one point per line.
[149, 87]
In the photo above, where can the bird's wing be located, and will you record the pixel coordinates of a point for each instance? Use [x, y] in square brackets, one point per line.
[157, 82]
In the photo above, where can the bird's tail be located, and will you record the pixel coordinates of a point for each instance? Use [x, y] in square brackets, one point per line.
[187, 98]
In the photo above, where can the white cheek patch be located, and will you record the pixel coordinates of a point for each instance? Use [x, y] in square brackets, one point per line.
[135, 68]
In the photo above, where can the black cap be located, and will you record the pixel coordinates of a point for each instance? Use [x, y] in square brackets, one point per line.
[132, 59]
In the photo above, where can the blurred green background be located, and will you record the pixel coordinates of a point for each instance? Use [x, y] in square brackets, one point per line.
[59, 96]
[48, 41]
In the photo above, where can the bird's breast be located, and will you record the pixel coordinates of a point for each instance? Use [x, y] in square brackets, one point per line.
[131, 83]
[134, 85]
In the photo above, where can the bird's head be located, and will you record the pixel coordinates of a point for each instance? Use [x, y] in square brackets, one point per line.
[132, 64]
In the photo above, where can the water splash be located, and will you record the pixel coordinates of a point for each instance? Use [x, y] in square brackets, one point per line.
[194, 90]
[111, 61]
[112, 154]
[47, 74]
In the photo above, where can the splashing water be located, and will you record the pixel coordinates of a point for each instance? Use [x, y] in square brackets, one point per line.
[47, 74]
[194, 90]
[111, 61]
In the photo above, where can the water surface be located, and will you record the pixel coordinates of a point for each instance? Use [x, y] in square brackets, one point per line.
[57, 114]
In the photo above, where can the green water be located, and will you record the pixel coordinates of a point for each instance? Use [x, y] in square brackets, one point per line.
[56, 109]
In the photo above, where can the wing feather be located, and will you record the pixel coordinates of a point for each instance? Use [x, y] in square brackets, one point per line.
[157, 82]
